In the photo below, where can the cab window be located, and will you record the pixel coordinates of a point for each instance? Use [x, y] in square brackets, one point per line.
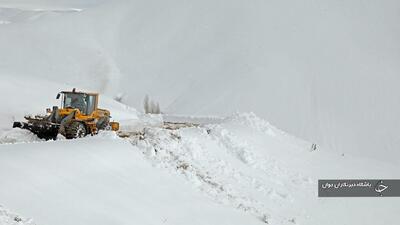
[91, 102]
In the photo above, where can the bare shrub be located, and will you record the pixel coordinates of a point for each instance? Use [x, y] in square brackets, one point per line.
[151, 107]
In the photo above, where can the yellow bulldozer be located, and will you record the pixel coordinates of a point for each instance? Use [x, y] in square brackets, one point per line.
[77, 117]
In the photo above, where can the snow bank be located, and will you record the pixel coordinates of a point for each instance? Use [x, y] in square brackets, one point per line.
[21, 15]
[141, 122]
[251, 120]
[239, 171]
[18, 136]
[101, 180]
[8, 218]
[272, 176]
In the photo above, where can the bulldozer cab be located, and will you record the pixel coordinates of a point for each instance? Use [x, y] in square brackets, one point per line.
[85, 102]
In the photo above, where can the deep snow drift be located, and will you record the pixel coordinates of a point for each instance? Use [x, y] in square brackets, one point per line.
[100, 180]
[239, 171]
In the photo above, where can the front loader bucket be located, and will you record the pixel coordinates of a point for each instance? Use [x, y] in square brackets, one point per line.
[43, 129]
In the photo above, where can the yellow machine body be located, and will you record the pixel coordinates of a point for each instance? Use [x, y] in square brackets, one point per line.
[77, 117]
[91, 118]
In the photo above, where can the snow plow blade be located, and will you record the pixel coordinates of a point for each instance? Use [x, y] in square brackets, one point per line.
[43, 129]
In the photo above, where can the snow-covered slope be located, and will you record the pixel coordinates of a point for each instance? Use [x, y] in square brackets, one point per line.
[239, 171]
[101, 180]
[9, 218]
[325, 71]
[301, 65]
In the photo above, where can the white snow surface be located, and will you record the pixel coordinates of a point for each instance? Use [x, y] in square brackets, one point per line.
[101, 180]
[9, 218]
[235, 172]
[323, 70]
[326, 71]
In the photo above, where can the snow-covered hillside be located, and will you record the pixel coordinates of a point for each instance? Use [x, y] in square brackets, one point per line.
[323, 71]
[302, 65]
[101, 180]
[239, 171]
[9, 218]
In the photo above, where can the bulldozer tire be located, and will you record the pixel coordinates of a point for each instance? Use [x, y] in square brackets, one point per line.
[75, 129]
